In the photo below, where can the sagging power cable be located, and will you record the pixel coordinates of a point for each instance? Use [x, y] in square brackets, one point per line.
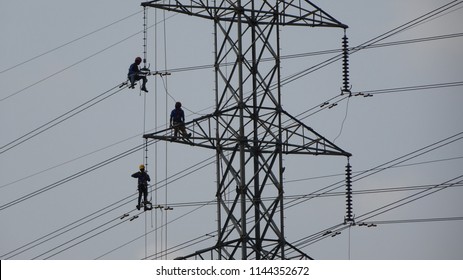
[382, 167]
[68, 43]
[69, 114]
[442, 186]
[303, 115]
[74, 64]
[361, 220]
[105, 210]
[75, 175]
[322, 234]
[373, 41]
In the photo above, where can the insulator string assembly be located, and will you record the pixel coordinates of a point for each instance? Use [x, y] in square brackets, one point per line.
[346, 88]
[349, 218]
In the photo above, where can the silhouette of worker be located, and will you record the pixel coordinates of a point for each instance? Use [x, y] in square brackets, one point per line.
[177, 121]
[143, 179]
[135, 75]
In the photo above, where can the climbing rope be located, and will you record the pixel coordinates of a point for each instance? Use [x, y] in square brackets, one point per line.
[167, 123]
[145, 36]
[163, 218]
[145, 150]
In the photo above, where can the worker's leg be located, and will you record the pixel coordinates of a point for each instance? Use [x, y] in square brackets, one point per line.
[139, 197]
[143, 86]
[145, 194]
[175, 126]
[184, 133]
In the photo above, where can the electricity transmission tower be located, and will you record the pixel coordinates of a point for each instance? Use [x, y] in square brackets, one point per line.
[249, 130]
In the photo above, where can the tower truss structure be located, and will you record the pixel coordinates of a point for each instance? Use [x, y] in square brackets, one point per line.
[249, 130]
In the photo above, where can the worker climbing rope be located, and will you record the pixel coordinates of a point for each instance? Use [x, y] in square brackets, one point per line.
[135, 74]
[143, 179]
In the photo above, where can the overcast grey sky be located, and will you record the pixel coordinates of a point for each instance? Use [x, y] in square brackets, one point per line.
[391, 126]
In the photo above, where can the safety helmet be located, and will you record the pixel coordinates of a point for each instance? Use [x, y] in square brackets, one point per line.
[138, 59]
[178, 104]
[142, 167]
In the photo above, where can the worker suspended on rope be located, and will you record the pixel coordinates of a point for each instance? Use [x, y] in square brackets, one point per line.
[177, 121]
[143, 179]
[135, 75]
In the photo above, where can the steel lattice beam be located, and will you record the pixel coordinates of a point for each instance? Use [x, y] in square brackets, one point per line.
[297, 138]
[292, 12]
[249, 130]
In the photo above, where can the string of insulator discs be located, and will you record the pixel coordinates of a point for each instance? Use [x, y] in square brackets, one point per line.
[346, 89]
[345, 66]
[349, 211]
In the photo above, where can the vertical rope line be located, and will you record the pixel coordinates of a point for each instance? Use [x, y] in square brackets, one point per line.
[145, 150]
[162, 233]
[167, 118]
[156, 144]
[146, 236]
[145, 27]
[348, 250]
[145, 159]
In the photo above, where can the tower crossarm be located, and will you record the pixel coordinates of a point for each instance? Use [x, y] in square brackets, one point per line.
[296, 137]
[290, 12]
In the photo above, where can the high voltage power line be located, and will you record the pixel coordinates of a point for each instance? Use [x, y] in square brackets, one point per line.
[68, 43]
[74, 64]
[316, 194]
[75, 175]
[58, 120]
[303, 115]
[124, 201]
[104, 210]
[362, 219]
[408, 221]
[283, 57]
[382, 167]
[368, 44]
[305, 241]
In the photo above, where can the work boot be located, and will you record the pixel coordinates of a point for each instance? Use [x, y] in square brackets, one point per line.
[138, 207]
[144, 89]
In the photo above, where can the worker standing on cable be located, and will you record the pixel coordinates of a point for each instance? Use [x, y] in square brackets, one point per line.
[135, 75]
[177, 121]
[143, 179]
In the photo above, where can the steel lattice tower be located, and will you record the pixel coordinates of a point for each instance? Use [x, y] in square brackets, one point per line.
[249, 130]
